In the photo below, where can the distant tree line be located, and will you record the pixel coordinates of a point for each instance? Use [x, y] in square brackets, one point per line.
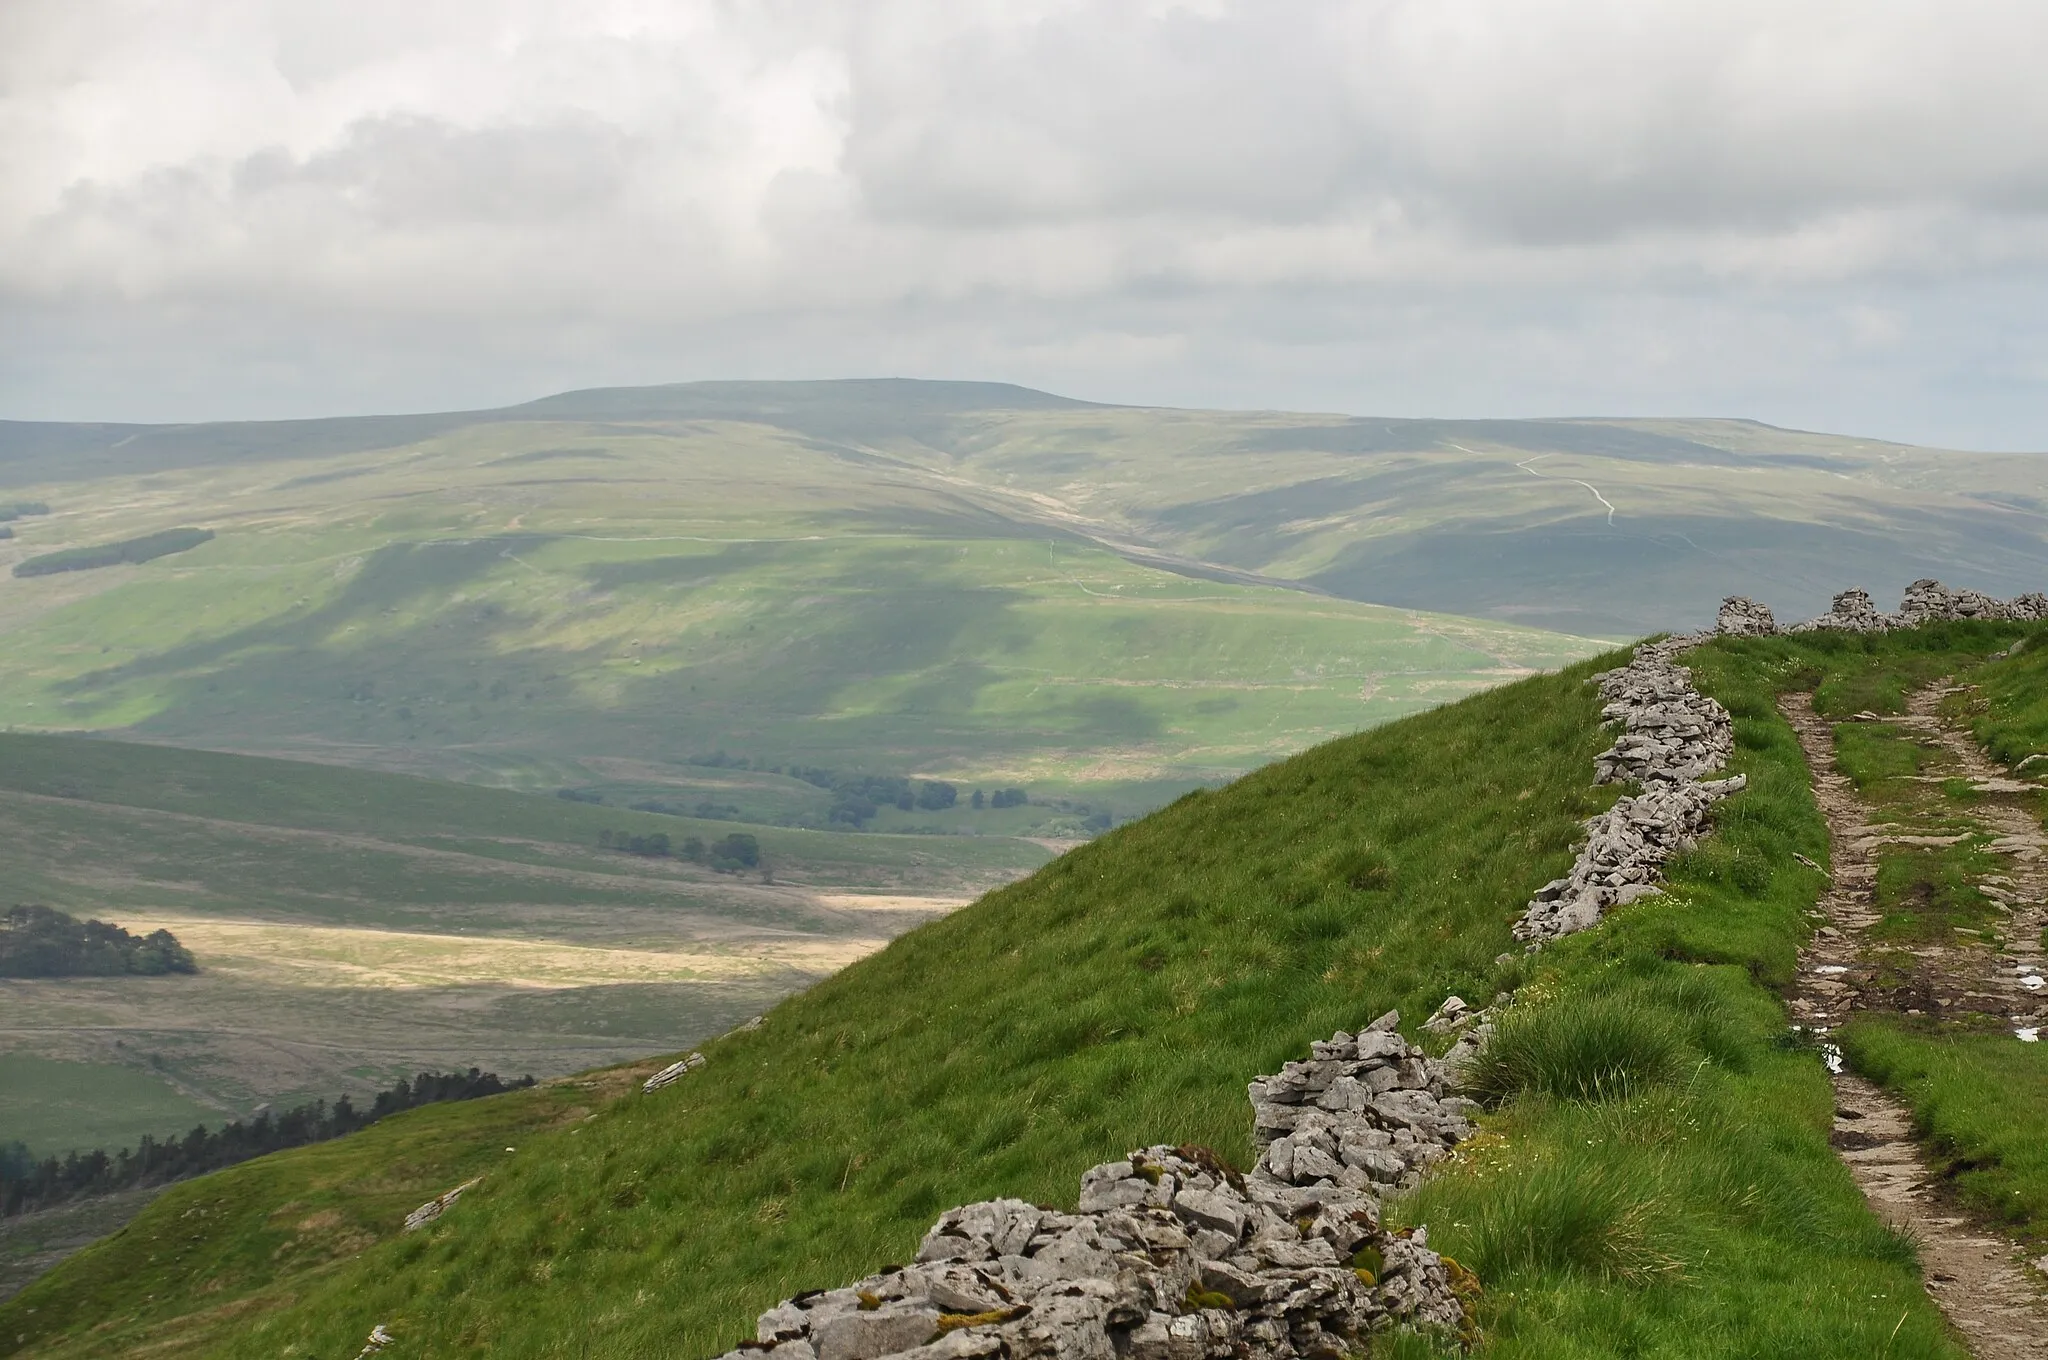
[44, 942]
[856, 797]
[145, 549]
[728, 854]
[13, 510]
[27, 1184]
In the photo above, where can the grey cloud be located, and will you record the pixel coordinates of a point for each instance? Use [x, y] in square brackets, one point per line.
[404, 170]
[1424, 204]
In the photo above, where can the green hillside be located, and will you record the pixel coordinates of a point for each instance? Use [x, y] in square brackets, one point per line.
[544, 598]
[1601, 527]
[353, 926]
[1121, 996]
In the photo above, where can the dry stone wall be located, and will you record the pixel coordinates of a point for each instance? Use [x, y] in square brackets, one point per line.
[1671, 736]
[1925, 601]
[1171, 1255]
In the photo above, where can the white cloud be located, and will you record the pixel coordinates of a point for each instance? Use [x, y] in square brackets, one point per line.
[1028, 178]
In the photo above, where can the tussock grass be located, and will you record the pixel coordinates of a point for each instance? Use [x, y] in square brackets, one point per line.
[1581, 1048]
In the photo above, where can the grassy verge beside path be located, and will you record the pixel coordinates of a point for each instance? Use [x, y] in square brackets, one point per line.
[1980, 1101]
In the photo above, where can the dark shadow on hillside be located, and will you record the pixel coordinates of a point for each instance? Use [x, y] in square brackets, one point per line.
[1649, 573]
[463, 675]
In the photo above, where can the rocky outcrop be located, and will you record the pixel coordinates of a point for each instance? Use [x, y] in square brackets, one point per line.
[1744, 617]
[674, 1072]
[1171, 1255]
[1671, 736]
[435, 1207]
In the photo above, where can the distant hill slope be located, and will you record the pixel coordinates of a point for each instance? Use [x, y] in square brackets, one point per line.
[595, 588]
[1591, 526]
[1122, 996]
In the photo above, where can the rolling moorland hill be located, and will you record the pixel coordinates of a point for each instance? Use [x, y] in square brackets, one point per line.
[1594, 526]
[592, 590]
[1121, 996]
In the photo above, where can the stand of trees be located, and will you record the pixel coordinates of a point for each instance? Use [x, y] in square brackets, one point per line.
[145, 549]
[21, 510]
[44, 942]
[727, 854]
[27, 1184]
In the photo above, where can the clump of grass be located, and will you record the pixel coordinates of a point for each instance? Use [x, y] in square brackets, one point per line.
[1580, 1213]
[1580, 1048]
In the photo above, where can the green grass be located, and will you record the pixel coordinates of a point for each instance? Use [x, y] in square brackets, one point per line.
[1872, 754]
[247, 1237]
[2014, 722]
[1927, 893]
[1979, 1100]
[434, 813]
[1124, 995]
[54, 1106]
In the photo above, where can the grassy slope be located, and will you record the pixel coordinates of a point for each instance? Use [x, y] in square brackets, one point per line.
[1500, 519]
[491, 823]
[1124, 994]
[253, 1234]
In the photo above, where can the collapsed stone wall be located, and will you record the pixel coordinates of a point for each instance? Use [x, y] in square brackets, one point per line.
[1171, 1255]
[1671, 736]
[1925, 601]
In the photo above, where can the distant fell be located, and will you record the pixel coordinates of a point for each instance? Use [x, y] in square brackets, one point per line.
[32, 452]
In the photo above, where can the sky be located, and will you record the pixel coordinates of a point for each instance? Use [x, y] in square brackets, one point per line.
[1830, 214]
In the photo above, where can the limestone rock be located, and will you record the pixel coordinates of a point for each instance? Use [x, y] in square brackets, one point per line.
[669, 1075]
[1672, 736]
[1743, 617]
[434, 1208]
[1173, 1255]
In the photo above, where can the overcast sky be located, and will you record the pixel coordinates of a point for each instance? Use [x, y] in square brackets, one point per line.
[1828, 213]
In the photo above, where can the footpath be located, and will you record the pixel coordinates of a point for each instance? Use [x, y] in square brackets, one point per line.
[1980, 1279]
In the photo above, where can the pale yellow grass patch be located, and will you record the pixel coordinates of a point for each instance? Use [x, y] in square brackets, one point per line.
[350, 957]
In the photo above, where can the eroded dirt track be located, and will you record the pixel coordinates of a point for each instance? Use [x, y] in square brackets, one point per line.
[1979, 1279]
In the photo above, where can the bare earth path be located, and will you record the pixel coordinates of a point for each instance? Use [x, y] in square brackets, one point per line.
[1978, 1277]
